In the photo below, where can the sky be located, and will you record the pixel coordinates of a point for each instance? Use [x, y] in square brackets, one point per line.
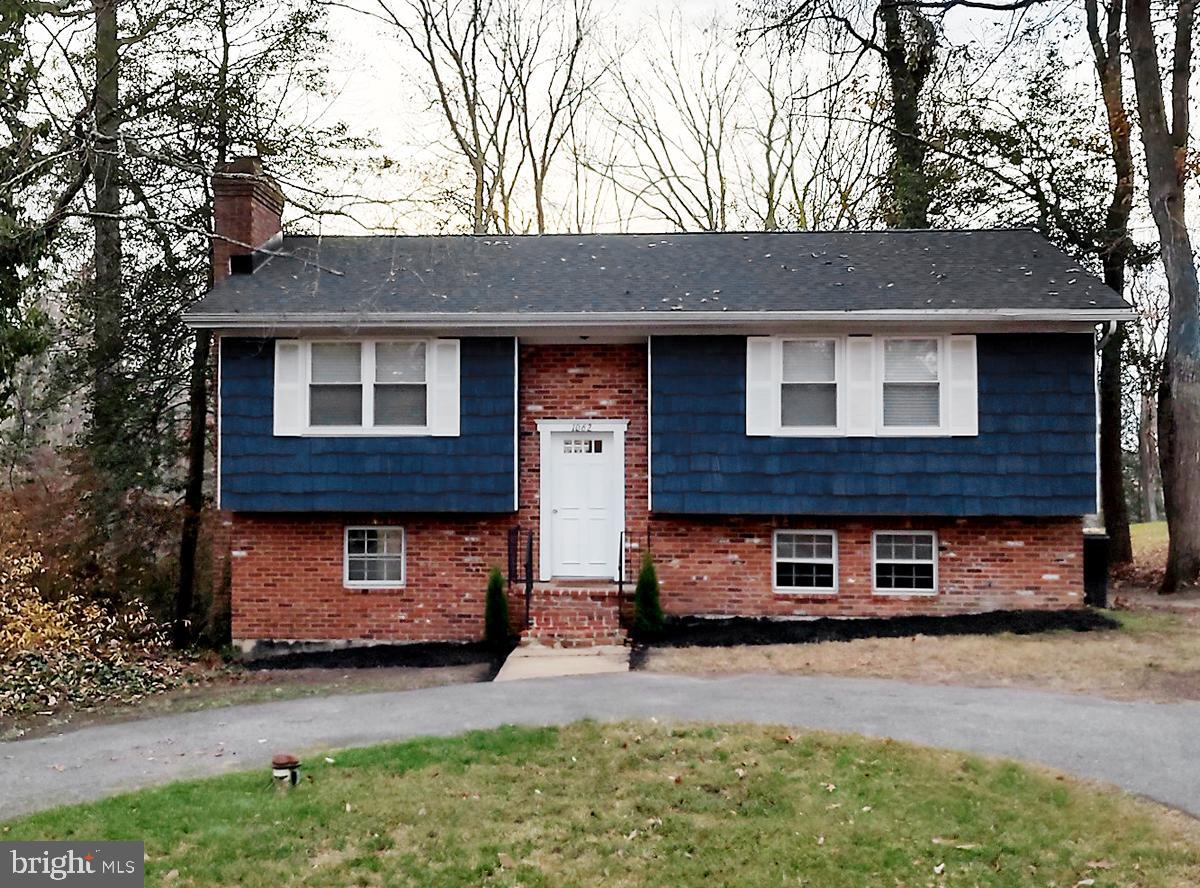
[378, 86]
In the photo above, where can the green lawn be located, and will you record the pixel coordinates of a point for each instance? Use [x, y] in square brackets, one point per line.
[1149, 541]
[643, 804]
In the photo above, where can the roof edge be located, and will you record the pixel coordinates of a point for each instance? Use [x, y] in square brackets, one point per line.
[486, 320]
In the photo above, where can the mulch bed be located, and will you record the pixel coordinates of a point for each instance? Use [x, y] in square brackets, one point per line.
[420, 655]
[728, 631]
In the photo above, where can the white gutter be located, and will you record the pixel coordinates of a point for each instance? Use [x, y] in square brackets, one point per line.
[657, 319]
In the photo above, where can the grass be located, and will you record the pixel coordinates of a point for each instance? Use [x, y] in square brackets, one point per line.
[643, 804]
[1149, 539]
[1152, 656]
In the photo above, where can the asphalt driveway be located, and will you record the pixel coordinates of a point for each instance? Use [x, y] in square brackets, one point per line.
[1147, 748]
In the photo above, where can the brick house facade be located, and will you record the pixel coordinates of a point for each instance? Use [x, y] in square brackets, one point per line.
[381, 434]
[287, 570]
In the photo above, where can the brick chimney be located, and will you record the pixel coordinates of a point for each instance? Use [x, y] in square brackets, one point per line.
[247, 213]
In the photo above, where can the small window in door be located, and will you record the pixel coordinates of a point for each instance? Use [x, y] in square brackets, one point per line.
[583, 445]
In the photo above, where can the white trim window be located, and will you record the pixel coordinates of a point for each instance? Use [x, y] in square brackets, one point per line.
[367, 387]
[911, 384]
[862, 386]
[368, 384]
[904, 562]
[805, 561]
[373, 557]
[809, 377]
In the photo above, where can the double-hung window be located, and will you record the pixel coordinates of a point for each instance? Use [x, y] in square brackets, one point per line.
[400, 397]
[861, 385]
[905, 562]
[808, 391]
[806, 561]
[335, 389]
[374, 557]
[362, 387]
[912, 383]
[370, 385]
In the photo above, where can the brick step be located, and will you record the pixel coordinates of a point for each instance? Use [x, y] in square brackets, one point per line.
[574, 614]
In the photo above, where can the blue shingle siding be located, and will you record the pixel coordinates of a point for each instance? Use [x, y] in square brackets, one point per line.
[470, 473]
[1035, 453]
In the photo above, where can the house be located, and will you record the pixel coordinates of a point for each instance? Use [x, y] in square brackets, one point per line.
[792, 424]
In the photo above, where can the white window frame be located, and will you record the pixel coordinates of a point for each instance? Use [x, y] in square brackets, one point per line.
[374, 584]
[875, 561]
[942, 429]
[367, 377]
[800, 590]
[839, 382]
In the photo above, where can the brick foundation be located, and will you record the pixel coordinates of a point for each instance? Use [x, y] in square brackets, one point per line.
[287, 569]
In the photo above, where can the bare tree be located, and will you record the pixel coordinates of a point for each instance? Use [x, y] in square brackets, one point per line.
[462, 46]
[1165, 140]
[677, 124]
[904, 36]
[1114, 257]
[1144, 349]
[552, 78]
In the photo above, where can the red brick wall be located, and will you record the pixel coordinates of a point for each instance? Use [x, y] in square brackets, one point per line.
[287, 570]
[723, 566]
[584, 382]
[287, 579]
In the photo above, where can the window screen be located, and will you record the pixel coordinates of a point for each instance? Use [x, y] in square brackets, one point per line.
[400, 393]
[808, 392]
[335, 393]
[911, 383]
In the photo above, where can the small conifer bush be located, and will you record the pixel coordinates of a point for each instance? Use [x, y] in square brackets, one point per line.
[648, 616]
[495, 610]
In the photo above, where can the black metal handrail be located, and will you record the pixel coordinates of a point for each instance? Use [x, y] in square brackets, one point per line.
[621, 565]
[519, 572]
[528, 578]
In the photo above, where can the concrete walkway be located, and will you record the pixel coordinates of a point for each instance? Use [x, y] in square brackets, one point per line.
[541, 661]
[1144, 747]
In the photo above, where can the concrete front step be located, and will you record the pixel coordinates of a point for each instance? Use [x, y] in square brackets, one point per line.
[574, 615]
[538, 661]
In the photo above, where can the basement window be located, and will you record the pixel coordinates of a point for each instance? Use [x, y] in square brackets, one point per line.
[905, 563]
[374, 557]
[805, 561]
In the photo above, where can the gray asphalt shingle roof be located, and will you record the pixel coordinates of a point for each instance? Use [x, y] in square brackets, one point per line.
[691, 273]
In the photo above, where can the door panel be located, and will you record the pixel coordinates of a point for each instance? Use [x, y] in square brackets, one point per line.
[582, 492]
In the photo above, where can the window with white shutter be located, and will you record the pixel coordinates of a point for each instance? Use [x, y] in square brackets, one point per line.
[367, 387]
[862, 386]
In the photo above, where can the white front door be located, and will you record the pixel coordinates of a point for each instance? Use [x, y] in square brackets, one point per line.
[583, 500]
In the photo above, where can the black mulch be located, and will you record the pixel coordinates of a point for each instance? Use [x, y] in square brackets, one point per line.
[423, 655]
[728, 631]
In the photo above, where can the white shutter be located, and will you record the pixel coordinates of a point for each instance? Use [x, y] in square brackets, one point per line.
[762, 385]
[444, 388]
[860, 386]
[963, 386]
[289, 388]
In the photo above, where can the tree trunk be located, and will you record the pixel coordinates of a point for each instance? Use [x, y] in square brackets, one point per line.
[193, 492]
[908, 68]
[1166, 166]
[193, 495]
[106, 429]
[479, 224]
[1114, 254]
[1148, 457]
[1112, 481]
